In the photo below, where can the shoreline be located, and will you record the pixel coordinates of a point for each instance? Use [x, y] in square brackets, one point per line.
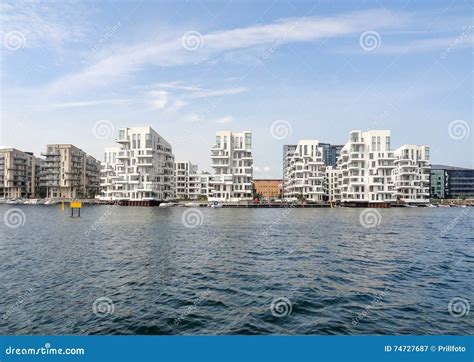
[241, 205]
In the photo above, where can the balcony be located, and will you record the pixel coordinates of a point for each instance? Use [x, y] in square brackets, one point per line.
[123, 140]
[389, 156]
[403, 160]
[123, 155]
[146, 164]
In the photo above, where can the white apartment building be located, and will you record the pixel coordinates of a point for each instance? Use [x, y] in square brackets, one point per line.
[140, 169]
[109, 171]
[306, 173]
[68, 172]
[288, 152]
[412, 174]
[191, 183]
[19, 174]
[232, 161]
[369, 172]
[366, 166]
[332, 184]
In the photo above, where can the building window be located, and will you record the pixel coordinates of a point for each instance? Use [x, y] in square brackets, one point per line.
[248, 141]
[148, 140]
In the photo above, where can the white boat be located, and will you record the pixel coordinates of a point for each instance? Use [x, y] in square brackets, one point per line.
[51, 202]
[216, 204]
[431, 205]
[31, 202]
[191, 204]
[166, 204]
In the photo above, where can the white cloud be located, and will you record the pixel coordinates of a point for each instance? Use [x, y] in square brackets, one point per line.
[205, 93]
[169, 51]
[79, 104]
[223, 120]
[43, 24]
[262, 171]
[395, 46]
[159, 99]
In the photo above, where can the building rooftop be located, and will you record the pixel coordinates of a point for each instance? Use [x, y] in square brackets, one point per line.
[444, 167]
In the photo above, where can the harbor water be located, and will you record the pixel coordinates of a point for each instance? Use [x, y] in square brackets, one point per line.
[203, 271]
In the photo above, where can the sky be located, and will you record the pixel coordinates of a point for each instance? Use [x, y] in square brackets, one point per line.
[77, 71]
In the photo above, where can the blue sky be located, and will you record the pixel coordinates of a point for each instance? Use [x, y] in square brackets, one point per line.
[75, 72]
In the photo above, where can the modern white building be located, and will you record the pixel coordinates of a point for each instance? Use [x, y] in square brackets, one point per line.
[140, 169]
[332, 184]
[109, 171]
[288, 152]
[191, 183]
[232, 161]
[366, 166]
[306, 173]
[412, 174]
[368, 172]
[68, 172]
[19, 174]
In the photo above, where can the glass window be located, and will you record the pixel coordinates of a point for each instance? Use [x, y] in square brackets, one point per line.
[248, 141]
[148, 140]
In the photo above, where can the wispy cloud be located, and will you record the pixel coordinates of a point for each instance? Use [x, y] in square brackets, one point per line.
[99, 102]
[163, 100]
[170, 52]
[223, 120]
[43, 24]
[390, 45]
[205, 93]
